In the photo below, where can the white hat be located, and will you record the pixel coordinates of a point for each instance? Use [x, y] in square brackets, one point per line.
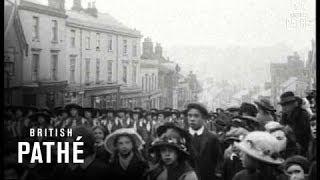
[272, 125]
[262, 146]
[109, 141]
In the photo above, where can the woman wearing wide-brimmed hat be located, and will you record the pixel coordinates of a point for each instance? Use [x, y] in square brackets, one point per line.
[75, 116]
[172, 155]
[126, 160]
[259, 156]
[265, 111]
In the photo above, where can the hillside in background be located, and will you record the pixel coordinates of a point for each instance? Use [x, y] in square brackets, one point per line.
[241, 66]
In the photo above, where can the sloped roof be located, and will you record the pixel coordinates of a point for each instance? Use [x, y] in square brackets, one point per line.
[8, 10]
[102, 21]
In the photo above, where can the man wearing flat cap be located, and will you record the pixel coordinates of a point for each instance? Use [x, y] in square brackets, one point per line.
[297, 118]
[206, 144]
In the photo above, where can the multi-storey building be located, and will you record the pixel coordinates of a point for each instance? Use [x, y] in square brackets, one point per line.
[150, 76]
[281, 74]
[79, 55]
[103, 60]
[43, 68]
[15, 52]
[311, 66]
[188, 90]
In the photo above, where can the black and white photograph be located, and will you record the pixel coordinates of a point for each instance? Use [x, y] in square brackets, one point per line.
[159, 90]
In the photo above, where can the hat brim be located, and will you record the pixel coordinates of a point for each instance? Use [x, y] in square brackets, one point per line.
[73, 106]
[162, 129]
[249, 118]
[109, 140]
[288, 100]
[157, 147]
[263, 106]
[257, 155]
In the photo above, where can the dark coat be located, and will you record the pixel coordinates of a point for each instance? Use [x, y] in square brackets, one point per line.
[246, 175]
[298, 120]
[231, 167]
[208, 157]
[135, 170]
[96, 170]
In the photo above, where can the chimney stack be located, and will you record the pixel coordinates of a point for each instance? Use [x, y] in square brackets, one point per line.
[91, 9]
[77, 5]
[147, 49]
[58, 4]
[158, 50]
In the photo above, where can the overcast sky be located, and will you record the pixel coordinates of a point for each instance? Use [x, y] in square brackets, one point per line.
[218, 23]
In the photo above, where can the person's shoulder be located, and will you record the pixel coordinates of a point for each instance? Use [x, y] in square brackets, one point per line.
[190, 175]
[99, 164]
[212, 135]
[240, 175]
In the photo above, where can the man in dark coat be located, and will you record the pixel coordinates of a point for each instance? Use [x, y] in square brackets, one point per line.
[206, 145]
[297, 118]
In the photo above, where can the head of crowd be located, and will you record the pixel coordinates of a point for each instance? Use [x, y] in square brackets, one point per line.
[249, 141]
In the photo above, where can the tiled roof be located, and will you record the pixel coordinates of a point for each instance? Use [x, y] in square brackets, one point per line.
[102, 21]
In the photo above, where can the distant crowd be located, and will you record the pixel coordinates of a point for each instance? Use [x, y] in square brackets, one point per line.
[247, 142]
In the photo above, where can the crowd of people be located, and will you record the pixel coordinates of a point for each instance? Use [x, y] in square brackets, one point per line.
[252, 141]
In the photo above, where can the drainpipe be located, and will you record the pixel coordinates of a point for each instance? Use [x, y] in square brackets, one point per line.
[82, 94]
[117, 71]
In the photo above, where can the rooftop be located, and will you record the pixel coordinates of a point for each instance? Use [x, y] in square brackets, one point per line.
[102, 21]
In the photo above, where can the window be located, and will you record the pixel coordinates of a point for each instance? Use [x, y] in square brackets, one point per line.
[97, 70]
[109, 43]
[147, 82]
[109, 74]
[87, 78]
[98, 41]
[35, 31]
[125, 73]
[134, 74]
[54, 66]
[72, 69]
[54, 30]
[153, 82]
[134, 49]
[35, 67]
[73, 38]
[150, 83]
[88, 41]
[125, 47]
[142, 81]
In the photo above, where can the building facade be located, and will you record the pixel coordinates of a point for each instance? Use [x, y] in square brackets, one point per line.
[15, 52]
[103, 60]
[281, 73]
[75, 56]
[43, 75]
[150, 76]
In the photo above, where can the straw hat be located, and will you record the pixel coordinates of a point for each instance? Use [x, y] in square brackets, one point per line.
[177, 143]
[262, 146]
[272, 125]
[109, 141]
